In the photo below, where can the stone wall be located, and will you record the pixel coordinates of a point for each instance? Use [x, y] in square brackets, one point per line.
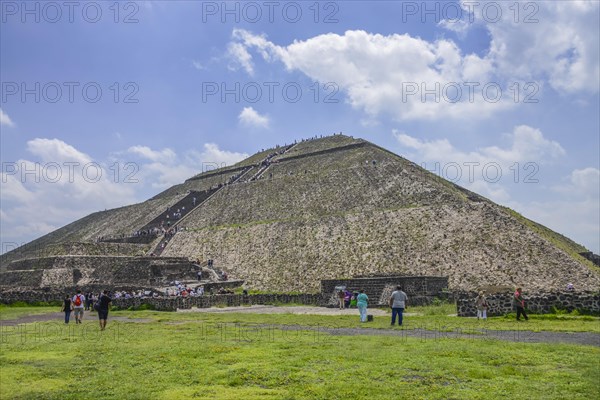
[539, 303]
[421, 290]
[110, 271]
[226, 300]
[171, 303]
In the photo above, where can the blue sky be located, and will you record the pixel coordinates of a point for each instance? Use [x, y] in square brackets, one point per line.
[106, 104]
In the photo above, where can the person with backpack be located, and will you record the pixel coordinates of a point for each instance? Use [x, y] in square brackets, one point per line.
[67, 307]
[78, 304]
[103, 304]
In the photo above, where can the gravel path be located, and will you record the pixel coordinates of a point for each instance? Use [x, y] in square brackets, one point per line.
[525, 336]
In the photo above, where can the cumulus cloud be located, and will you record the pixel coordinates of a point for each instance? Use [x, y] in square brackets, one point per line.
[5, 119]
[54, 186]
[550, 41]
[58, 183]
[570, 208]
[212, 153]
[377, 77]
[240, 57]
[251, 118]
[161, 169]
[411, 78]
[485, 169]
[164, 155]
[526, 144]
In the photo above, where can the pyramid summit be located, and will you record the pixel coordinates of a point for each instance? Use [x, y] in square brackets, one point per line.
[290, 216]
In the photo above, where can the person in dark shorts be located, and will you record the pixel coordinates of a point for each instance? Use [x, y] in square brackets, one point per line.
[519, 303]
[67, 307]
[103, 305]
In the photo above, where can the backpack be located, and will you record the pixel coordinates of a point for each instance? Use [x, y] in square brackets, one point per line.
[77, 300]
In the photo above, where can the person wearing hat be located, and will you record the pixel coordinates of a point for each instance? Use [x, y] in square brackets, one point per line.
[481, 304]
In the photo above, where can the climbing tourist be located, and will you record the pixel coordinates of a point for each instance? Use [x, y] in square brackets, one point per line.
[67, 307]
[78, 304]
[362, 300]
[398, 304]
[103, 305]
[519, 303]
[481, 305]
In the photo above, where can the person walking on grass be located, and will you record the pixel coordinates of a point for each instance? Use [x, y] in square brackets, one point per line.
[398, 301]
[519, 303]
[361, 302]
[481, 305]
[78, 304]
[67, 307]
[103, 306]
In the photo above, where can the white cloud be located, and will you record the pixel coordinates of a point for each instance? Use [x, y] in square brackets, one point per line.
[575, 215]
[392, 74]
[55, 150]
[240, 56]
[59, 183]
[198, 65]
[554, 41]
[212, 153]
[251, 118]
[166, 168]
[55, 186]
[485, 170]
[164, 155]
[527, 144]
[570, 208]
[5, 119]
[373, 71]
[582, 183]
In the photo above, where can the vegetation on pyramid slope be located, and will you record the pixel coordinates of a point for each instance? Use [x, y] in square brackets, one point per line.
[340, 207]
[324, 184]
[363, 210]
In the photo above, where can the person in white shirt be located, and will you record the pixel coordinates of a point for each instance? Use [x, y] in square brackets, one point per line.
[78, 302]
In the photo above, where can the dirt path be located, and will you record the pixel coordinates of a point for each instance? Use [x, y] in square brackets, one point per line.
[59, 316]
[525, 336]
[301, 310]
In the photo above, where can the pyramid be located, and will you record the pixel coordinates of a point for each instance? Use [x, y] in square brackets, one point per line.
[324, 208]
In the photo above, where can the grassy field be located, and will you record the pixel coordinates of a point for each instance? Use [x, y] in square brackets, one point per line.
[254, 356]
[7, 312]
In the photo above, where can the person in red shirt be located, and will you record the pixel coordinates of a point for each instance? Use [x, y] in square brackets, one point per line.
[519, 303]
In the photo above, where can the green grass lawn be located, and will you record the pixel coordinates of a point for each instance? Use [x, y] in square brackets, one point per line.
[226, 356]
[430, 318]
[10, 312]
